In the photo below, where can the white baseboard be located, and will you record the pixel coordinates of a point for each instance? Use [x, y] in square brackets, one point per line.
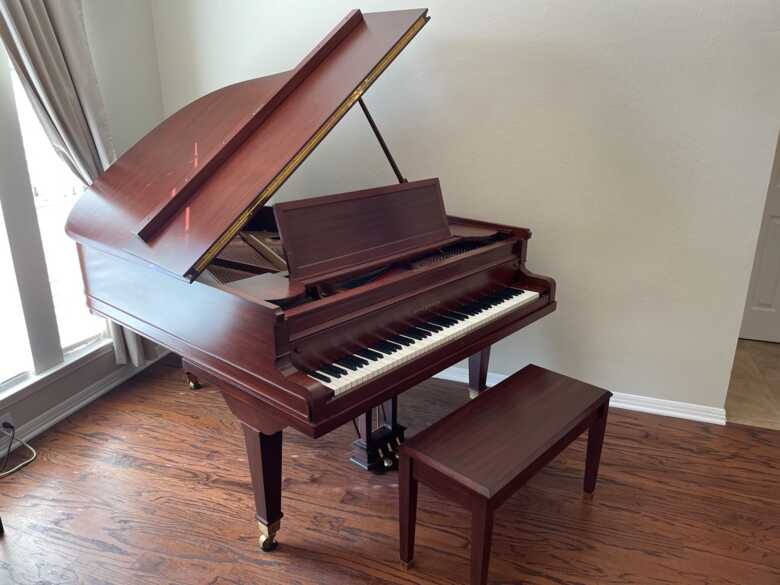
[635, 402]
[40, 423]
[64, 409]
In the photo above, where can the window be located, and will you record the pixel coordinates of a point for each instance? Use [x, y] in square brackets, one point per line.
[43, 326]
[14, 345]
[55, 190]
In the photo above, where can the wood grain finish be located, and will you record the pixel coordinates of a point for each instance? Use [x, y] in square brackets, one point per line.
[478, 371]
[244, 344]
[486, 450]
[149, 485]
[187, 184]
[492, 444]
[349, 232]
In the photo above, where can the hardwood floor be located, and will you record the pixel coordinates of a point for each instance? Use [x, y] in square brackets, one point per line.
[149, 484]
[754, 391]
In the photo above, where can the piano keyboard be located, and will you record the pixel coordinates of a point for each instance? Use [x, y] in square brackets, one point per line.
[443, 327]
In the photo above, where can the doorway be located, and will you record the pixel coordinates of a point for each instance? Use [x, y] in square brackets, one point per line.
[754, 390]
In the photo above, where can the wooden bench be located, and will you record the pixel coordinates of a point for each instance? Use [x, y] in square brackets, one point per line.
[481, 453]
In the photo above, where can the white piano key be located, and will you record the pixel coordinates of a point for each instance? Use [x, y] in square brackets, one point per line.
[392, 360]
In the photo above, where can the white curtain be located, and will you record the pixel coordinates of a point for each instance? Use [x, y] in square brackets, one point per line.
[46, 41]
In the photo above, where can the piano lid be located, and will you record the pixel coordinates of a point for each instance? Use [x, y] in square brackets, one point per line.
[178, 196]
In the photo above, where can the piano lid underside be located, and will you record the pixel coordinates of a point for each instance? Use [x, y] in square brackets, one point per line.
[180, 218]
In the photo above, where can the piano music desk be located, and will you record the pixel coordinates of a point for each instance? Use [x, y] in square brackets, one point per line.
[483, 452]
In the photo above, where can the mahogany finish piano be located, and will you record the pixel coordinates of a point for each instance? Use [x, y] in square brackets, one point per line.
[313, 313]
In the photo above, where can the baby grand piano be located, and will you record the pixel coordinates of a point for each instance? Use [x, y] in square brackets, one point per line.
[313, 313]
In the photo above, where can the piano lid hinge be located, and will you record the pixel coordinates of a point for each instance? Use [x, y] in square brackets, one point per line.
[382, 143]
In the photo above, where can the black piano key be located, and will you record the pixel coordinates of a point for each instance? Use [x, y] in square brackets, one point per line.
[425, 332]
[400, 340]
[318, 376]
[332, 370]
[443, 321]
[431, 327]
[369, 354]
[344, 363]
[415, 333]
[461, 313]
[454, 316]
[387, 346]
[485, 303]
[470, 309]
[490, 300]
[355, 361]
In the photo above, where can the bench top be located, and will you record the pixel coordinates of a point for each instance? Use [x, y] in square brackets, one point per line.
[494, 438]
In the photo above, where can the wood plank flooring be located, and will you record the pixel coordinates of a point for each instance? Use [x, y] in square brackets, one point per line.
[754, 390]
[149, 485]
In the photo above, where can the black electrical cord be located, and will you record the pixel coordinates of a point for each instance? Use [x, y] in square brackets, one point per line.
[10, 444]
[12, 435]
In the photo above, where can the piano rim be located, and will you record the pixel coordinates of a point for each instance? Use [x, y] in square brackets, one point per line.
[325, 410]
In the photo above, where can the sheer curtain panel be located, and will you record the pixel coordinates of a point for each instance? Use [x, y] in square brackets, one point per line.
[47, 44]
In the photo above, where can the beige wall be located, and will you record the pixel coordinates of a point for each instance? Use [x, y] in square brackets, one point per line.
[121, 39]
[634, 138]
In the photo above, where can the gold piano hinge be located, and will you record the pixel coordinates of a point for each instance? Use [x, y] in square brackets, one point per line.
[312, 143]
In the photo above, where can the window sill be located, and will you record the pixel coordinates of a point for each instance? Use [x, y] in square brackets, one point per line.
[22, 386]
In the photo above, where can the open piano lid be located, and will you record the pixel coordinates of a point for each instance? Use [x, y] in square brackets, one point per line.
[178, 196]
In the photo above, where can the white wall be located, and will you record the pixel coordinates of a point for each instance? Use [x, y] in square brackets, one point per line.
[634, 138]
[121, 39]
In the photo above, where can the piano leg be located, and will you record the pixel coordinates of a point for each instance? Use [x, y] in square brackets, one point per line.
[478, 369]
[265, 466]
[263, 438]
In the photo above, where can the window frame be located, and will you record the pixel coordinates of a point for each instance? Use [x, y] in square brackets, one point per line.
[27, 252]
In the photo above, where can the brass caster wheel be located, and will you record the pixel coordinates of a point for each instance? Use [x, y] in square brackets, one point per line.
[267, 538]
[268, 543]
[193, 382]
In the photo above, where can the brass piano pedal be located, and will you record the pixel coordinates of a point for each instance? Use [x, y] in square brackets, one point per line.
[393, 450]
[386, 461]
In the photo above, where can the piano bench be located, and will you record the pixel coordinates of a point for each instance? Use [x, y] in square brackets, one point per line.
[483, 452]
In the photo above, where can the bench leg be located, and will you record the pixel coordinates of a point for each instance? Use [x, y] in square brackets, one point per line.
[595, 441]
[407, 504]
[481, 534]
[478, 370]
